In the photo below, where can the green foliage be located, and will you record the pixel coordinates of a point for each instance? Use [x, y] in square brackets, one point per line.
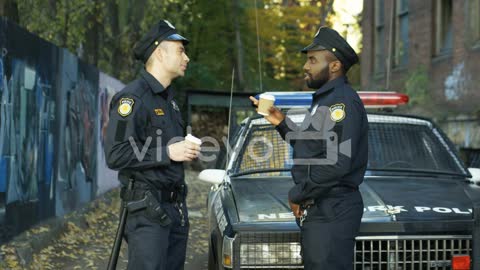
[284, 29]
[416, 87]
[103, 33]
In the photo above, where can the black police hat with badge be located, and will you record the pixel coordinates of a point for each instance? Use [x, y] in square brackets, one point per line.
[161, 31]
[329, 39]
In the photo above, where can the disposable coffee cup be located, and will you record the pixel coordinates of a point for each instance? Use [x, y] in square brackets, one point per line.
[192, 139]
[265, 103]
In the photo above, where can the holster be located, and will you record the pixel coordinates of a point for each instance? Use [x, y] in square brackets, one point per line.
[152, 207]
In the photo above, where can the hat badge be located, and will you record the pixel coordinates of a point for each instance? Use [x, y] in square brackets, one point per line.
[169, 24]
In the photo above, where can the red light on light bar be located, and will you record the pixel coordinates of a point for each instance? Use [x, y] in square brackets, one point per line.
[382, 99]
[461, 262]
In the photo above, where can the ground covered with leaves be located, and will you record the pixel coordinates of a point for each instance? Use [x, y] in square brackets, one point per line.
[87, 240]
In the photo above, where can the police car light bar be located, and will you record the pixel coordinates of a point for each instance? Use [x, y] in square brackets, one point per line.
[382, 99]
[370, 99]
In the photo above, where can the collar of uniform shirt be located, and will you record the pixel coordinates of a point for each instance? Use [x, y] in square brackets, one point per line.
[330, 85]
[155, 85]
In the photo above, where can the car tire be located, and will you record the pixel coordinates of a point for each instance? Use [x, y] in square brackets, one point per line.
[211, 260]
[213, 263]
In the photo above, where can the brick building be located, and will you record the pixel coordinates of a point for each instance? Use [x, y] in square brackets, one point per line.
[434, 56]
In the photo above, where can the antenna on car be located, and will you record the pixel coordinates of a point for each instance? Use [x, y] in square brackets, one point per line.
[229, 120]
[259, 52]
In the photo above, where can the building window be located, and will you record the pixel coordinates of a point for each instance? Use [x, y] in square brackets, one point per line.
[379, 36]
[400, 46]
[473, 21]
[443, 39]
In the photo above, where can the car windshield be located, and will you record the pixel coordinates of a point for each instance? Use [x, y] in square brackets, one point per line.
[393, 146]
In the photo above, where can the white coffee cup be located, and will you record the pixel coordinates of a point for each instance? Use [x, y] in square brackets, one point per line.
[265, 102]
[193, 139]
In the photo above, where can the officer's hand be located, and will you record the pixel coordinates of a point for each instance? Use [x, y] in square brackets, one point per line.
[183, 151]
[275, 117]
[297, 211]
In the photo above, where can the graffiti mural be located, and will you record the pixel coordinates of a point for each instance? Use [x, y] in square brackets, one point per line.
[53, 108]
[77, 148]
[108, 86]
[28, 130]
[456, 83]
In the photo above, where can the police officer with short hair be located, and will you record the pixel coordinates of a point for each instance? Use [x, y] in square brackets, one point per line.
[145, 142]
[325, 198]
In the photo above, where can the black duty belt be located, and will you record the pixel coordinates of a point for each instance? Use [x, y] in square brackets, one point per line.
[335, 190]
[136, 194]
[340, 189]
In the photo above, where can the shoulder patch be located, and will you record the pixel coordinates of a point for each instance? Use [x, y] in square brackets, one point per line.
[337, 112]
[126, 106]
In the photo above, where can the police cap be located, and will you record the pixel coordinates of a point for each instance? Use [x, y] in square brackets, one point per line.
[329, 39]
[161, 31]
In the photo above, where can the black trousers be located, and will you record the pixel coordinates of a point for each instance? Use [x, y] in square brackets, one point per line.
[152, 246]
[329, 231]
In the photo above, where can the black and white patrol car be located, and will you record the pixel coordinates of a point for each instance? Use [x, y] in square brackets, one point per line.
[419, 198]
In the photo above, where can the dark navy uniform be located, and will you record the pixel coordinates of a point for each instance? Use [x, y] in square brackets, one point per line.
[328, 186]
[144, 118]
[154, 114]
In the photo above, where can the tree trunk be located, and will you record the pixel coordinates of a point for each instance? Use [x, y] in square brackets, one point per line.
[114, 24]
[93, 36]
[240, 80]
[65, 27]
[325, 10]
[9, 9]
[53, 8]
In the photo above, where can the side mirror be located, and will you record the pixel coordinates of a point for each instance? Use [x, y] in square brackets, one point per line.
[475, 172]
[212, 176]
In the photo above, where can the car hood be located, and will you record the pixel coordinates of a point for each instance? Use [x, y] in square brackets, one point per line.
[385, 199]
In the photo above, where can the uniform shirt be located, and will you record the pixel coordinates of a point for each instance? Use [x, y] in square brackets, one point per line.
[144, 114]
[339, 104]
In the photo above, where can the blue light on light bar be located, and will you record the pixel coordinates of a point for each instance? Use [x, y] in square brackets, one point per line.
[370, 99]
[291, 99]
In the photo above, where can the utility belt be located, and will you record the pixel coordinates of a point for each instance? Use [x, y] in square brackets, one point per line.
[167, 196]
[141, 200]
[335, 190]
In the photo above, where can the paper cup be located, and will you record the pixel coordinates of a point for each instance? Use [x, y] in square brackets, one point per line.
[192, 139]
[265, 103]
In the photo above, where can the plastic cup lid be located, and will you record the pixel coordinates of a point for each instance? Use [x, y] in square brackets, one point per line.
[267, 96]
[193, 139]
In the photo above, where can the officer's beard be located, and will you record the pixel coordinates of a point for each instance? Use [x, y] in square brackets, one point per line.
[322, 77]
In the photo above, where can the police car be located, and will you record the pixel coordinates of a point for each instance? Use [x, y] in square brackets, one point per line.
[419, 198]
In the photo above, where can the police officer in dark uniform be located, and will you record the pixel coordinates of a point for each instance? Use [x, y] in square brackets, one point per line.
[325, 198]
[145, 143]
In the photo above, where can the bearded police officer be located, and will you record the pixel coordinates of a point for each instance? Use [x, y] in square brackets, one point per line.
[325, 198]
[145, 143]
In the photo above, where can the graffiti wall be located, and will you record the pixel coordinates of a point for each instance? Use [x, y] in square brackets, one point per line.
[108, 86]
[50, 119]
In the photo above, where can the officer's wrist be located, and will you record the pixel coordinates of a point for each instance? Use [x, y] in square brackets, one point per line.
[282, 118]
[279, 123]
